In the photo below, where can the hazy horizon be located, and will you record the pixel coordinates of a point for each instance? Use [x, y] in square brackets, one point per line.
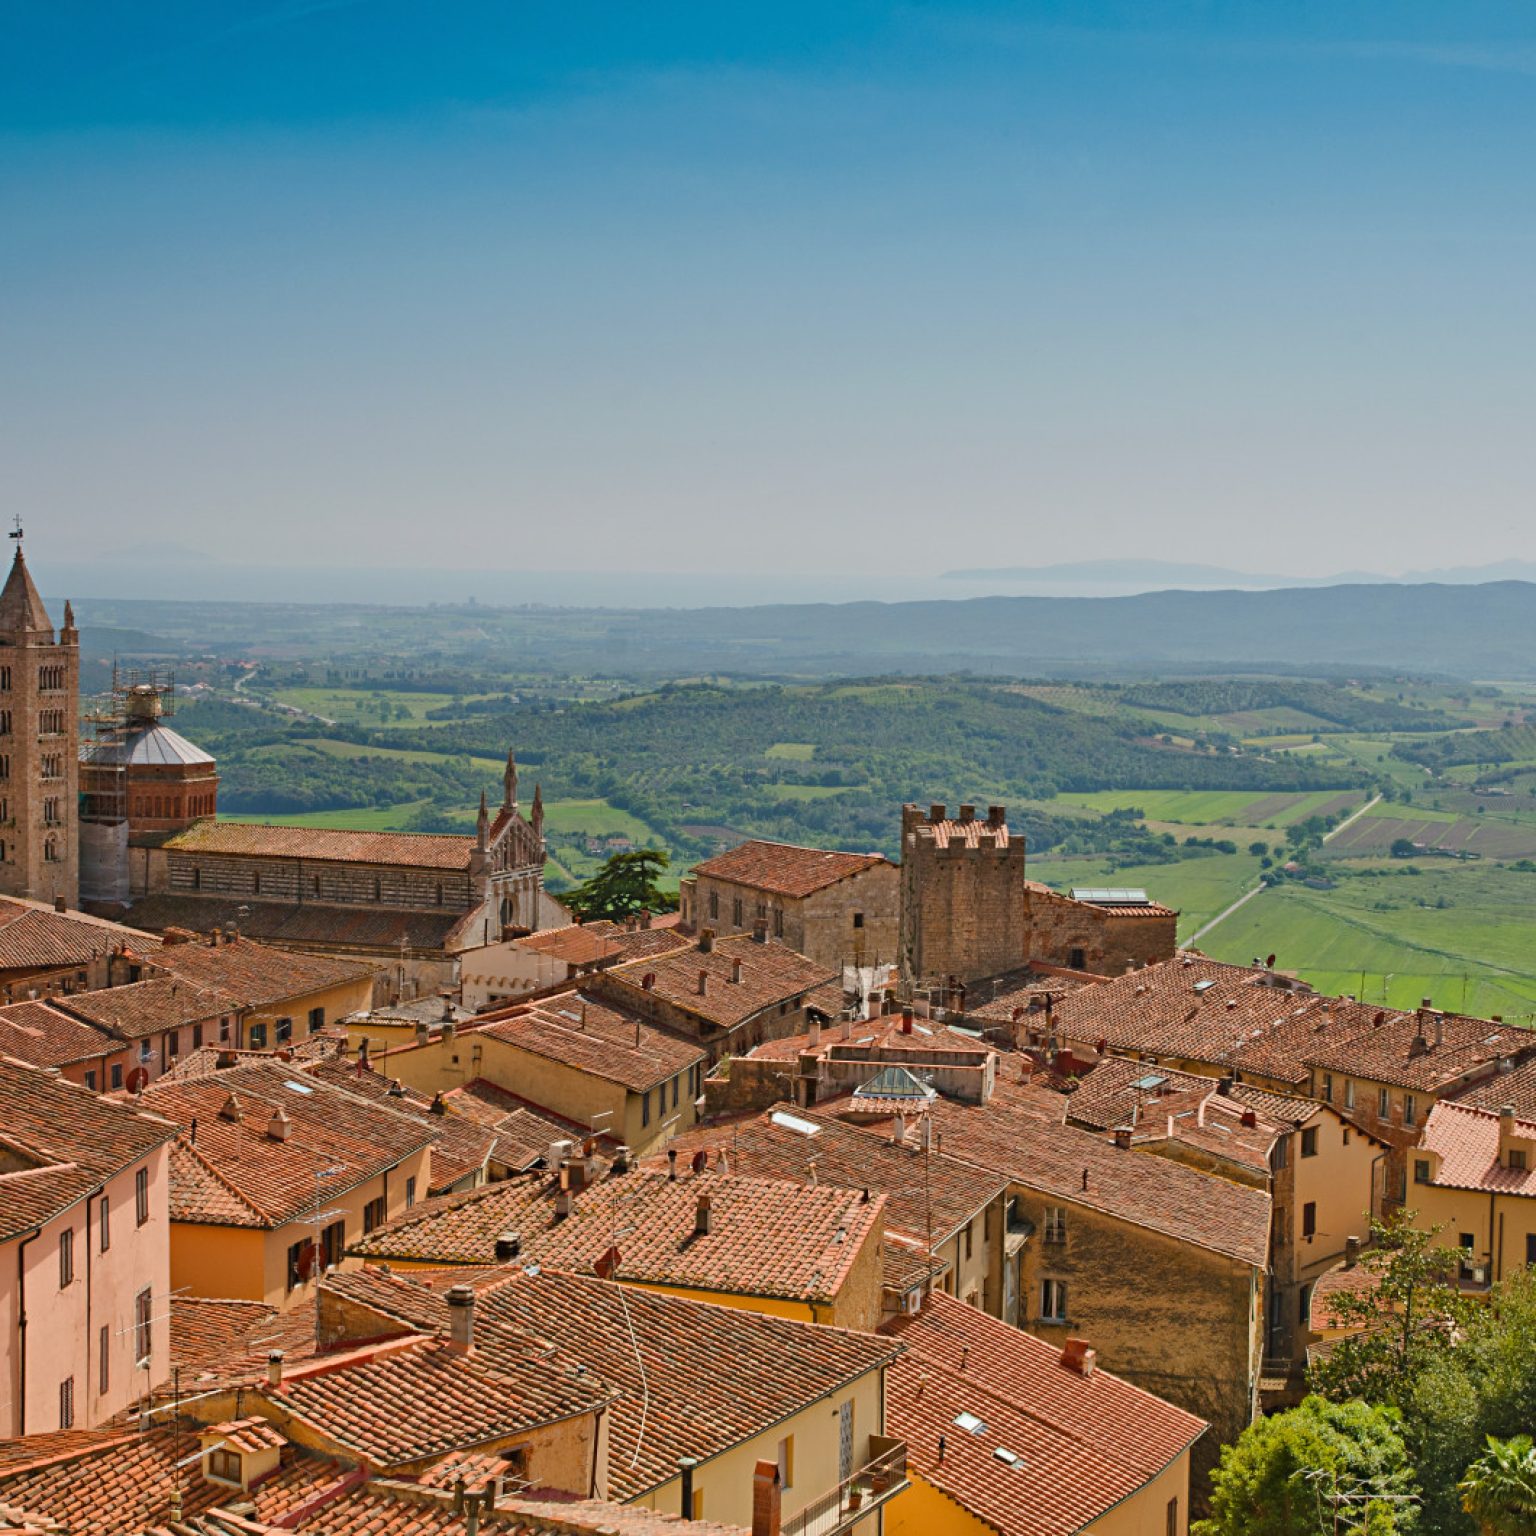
[851, 294]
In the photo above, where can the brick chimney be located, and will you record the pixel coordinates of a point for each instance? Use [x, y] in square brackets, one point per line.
[706, 940]
[1123, 1136]
[279, 1125]
[461, 1318]
[767, 1499]
[275, 1368]
[735, 973]
[703, 983]
[702, 1213]
[1080, 1357]
[906, 1020]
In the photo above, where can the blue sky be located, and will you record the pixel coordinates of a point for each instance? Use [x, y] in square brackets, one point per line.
[831, 288]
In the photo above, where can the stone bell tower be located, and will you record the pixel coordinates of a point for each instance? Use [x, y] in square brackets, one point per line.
[39, 744]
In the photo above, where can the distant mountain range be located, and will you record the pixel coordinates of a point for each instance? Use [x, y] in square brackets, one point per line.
[1121, 578]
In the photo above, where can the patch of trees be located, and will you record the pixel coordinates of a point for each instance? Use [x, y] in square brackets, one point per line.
[1334, 702]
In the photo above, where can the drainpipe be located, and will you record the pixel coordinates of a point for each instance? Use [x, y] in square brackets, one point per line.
[21, 1331]
[86, 1374]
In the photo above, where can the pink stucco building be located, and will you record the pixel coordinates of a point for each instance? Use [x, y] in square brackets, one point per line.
[84, 1253]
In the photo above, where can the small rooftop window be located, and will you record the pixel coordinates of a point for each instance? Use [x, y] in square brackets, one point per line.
[1204, 986]
[1149, 1082]
[1011, 1458]
[970, 1423]
[297, 1087]
[794, 1123]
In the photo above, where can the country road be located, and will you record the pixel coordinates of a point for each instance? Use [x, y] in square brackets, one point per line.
[1248, 895]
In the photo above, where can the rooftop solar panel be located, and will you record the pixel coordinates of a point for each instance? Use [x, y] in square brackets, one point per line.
[1111, 896]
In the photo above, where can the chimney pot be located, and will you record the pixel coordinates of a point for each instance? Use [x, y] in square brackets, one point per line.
[461, 1318]
[1122, 1136]
[508, 1245]
[1250, 1119]
[1079, 1356]
[279, 1125]
[701, 1215]
[672, 1163]
[275, 1368]
[1351, 1252]
[703, 983]
[736, 973]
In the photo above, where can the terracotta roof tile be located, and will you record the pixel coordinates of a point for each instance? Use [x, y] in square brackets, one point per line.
[770, 974]
[257, 975]
[595, 1035]
[1403, 1050]
[1516, 1088]
[770, 1146]
[42, 1036]
[35, 937]
[72, 1139]
[1085, 1169]
[340, 928]
[927, 1036]
[1466, 1141]
[274, 1182]
[1344, 1279]
[765, 1238]
[149, 1007]
[1118, 1089]
[521, 1132]
[417, 850]
[120, 1481]
[404, 1401]
[786, 869]
[706, 1378]
[1082, 1443]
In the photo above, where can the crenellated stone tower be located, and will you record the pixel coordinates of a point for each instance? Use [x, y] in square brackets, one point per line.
[39, 745]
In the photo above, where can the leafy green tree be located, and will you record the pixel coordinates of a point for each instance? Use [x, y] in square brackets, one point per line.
[1314, 1470]
[624, 886]
[1407, 1320]
[1499, 1488]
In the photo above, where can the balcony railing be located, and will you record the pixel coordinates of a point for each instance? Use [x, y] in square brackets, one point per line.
[877, 1482]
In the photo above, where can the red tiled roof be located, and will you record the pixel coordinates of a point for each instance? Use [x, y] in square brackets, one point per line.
[966, 832]
[1516, 1088]
[693, 1379]
[915, 1185]
[35, 937]
[1083, 1443]
[1466, 1138]
[771, 973]
[403, 1402]
[1109, 1095]
[416, 850]
[926, 1037]
[597, 1036]
[765, 1238]
[786, 869]
[120, 1481]
[1402, 1050]
[234, 1172]
[257, 975]
[145, 1008]
[72, 1139]
[304, 924]
[459, 1148]
[1344, 1279]
[1084, 1169]
[40, 1035]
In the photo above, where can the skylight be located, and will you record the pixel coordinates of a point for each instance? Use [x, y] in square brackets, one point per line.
[1012, 1458]
[970, 1423]
[794, 1123]
[1149, 1082]
[297, 1087]
[1204, 986]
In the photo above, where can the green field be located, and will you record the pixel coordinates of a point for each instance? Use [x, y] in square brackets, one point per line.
[1198, 888]
[1215, 807]
[356, 706]
[595, 818]
[374, 818]
[1387, 939]
[792, 751]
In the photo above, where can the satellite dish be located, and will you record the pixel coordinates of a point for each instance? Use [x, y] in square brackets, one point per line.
[138, 1080]
[1269, 964]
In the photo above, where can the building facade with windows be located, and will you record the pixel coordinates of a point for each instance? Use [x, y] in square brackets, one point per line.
[84, 1254]
[39, 745]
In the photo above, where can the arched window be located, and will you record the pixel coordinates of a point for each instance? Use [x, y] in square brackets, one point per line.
[51, 849]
